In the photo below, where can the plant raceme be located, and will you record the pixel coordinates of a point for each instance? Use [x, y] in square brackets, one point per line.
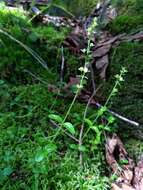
[93, 123]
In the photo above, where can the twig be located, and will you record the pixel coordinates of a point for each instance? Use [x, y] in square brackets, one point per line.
[85, 112]
[82, 126]
[119, 116]
[62, 65]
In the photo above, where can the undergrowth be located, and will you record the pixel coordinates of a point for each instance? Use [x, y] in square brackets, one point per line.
[45, 41]
[129, 17]
[32, 156]
[129, 100]
[29, 158]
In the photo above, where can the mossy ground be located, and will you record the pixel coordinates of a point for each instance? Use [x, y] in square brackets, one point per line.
[45, 41]
[24, 109]
[129, 101]
[129, 19]
[25, 130]
[26, 103]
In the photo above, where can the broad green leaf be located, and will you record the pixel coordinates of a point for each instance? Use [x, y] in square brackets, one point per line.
[95, 128]
[89, 122]
[74, 146]
[102, 110]
[40, 155]
[69, 127]
[43, 152]
[82, 148]
[56, 118]
[50, 148]
[7, 171]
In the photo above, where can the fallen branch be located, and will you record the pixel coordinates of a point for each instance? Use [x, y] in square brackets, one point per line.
[120, 116]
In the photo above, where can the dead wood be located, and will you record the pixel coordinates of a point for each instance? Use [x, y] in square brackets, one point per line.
[129, 176]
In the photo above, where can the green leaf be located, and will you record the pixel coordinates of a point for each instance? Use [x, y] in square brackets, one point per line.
[89, 122]
[7, 171]
[1, 82]
[95, 128]
[56, 118]
[43, 152]
[111, 119]
[124, 161]
[74, 146]
[97, 139]
[33, 37]
[69, 127]
[40, 169]
[82, 148]
[101, 111]
[50, 148]
[40, 155]
[107, 128]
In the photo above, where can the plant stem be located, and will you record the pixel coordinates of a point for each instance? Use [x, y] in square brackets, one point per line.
[77, 92]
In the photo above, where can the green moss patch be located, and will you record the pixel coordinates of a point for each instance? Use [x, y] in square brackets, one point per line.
[44, 42]
[129, 101]
[126, 24]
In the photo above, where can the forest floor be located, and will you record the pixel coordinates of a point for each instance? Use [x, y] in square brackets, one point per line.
[46, 145]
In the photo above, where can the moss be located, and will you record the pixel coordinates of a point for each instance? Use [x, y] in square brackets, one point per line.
[76, 7]
[129, 100]
[134, 148]
[130, 17]
[81, 7]
[25, 128]
[126, 24]
[46, 41]
[128, 7]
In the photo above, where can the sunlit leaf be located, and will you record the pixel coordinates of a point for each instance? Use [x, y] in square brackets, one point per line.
[69, 127]
[74, 146]
[50, 148]
[45, 151]
[89, 122]
[40, 155]
[56, 118]
[7, 171]
[82, 148]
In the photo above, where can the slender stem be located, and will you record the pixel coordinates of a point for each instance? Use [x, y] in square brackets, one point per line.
[77, 92]
[111, 94]
[107, 101]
